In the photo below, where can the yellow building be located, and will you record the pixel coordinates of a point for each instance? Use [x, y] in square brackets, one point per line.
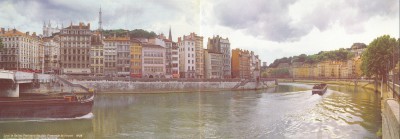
[136, 58]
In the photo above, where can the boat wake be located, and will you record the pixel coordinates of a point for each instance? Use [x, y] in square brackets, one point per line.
[87, 116]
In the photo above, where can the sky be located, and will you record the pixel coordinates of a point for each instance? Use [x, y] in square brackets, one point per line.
[271, 28]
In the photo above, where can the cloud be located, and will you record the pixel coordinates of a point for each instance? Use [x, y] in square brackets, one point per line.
[290, 20]
[29, 15]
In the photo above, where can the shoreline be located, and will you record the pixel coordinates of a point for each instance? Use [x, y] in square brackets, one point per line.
[175, 91]
[120, 87]
[361, 84]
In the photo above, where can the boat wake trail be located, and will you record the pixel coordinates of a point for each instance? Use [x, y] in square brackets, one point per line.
[87, 116]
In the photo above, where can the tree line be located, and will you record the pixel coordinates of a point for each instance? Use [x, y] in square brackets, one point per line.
[336, 55]
[136, 33]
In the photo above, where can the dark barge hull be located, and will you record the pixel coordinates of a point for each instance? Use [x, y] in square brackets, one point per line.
[320, 91]
[44, 108]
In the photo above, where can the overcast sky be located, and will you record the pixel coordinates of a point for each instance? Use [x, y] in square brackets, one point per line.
[271, 28]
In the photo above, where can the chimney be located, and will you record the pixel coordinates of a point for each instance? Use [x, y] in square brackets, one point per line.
[27, 33]
[179, 39]
[34, 34]
[14, 30]
[88, 25]
[3, 31]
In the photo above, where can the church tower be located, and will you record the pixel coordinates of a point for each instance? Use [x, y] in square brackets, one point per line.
[170, 35]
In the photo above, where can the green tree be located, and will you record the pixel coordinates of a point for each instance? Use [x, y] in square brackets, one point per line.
[378, 60]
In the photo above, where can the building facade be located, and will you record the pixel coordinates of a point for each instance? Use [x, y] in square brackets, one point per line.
[240, 64]
[175, 60]
[97, 55]
[21, 50]
[116, 56]
[218, 44]
[51, 54]
[153, 57]
[187, 57]
[136, 58]
[75, 49]
[213, 63]
[123, 57]
[255, 65]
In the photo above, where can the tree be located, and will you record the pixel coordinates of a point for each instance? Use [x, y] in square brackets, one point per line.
[377, 60]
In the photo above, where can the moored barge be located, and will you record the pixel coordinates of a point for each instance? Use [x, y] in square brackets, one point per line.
[66, 106]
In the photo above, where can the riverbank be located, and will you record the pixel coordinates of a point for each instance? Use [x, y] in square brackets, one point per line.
[126, 87]
[363, 84]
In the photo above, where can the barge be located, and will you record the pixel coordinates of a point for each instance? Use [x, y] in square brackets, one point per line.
[319, 89]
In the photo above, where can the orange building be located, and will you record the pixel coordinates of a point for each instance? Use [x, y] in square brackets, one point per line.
[240, 63]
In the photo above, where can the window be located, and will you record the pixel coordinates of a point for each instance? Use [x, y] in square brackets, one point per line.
[189, 61]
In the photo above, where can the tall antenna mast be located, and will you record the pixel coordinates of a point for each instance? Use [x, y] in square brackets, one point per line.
[100, 28]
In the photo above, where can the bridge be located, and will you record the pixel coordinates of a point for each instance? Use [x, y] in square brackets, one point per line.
[13, 82]
[10, 82]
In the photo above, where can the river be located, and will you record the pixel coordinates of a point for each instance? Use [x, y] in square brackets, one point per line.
[286, 111]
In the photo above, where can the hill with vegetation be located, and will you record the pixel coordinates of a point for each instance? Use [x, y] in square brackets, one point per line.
[336, 55]
[136, 33]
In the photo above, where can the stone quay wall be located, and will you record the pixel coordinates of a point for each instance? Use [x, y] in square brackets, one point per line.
[391, 120]
[147, 87]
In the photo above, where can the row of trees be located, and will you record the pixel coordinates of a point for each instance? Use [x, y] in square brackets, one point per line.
[381, 56]
[136, 33]
[336, 55]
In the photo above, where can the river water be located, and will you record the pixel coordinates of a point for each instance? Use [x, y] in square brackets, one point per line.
[285, 111]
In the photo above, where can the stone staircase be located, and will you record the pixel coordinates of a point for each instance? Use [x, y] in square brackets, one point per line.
[74, 87]
[242, 83]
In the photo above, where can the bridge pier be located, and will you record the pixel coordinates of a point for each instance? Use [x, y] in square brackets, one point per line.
[10, 92]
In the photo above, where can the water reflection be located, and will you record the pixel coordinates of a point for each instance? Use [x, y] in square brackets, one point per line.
[286, 111]
[47, 128]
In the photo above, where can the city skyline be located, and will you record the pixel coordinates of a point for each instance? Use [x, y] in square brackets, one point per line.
[273, 29]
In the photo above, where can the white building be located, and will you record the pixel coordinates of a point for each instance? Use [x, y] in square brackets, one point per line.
[187, 57]
[52, 53]
[116, 56]
[21, 50]
[153, 57]
[255, 65]
[48, 30]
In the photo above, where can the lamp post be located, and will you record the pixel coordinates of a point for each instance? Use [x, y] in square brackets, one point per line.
[43, 60]
[394, 67]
